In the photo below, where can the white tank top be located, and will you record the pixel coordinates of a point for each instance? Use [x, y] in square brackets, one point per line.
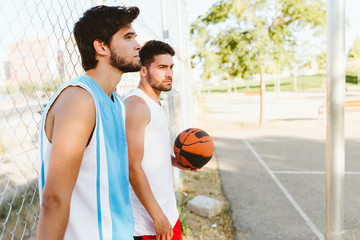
[157, 167]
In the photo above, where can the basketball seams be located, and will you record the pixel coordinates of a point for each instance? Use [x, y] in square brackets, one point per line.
[189, 133]
[196, 143]
[195, 131]
[193, 148]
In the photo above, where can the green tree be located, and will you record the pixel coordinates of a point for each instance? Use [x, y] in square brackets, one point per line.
[240, 38]
[354, 52]
[321, 62]
[354, 56]
[235, 36]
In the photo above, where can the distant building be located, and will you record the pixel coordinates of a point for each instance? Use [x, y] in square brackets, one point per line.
[6, 69]
[29, 61]
[44, 60]
[4, 73]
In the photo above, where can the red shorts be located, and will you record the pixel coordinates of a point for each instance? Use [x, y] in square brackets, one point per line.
[176, 230]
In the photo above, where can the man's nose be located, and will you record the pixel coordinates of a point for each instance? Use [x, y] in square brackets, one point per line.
[137, 46]
[169, 73]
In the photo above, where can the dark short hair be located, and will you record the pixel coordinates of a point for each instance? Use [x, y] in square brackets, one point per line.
[153, 48]
[100, 23]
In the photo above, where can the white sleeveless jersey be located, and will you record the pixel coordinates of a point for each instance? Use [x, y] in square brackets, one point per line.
[157, 167]
[100, 207]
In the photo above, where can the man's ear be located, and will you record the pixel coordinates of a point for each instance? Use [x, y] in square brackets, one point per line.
[100, 47]
[143, 71]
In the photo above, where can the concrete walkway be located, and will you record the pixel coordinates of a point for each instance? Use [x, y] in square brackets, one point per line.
[274, 175]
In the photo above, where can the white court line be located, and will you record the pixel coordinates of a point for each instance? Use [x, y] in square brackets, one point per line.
[286, 193]
[300, 172]
[352, 173]
[311, 172]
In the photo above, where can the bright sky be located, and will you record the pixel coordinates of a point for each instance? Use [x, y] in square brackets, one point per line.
[195, 8]
[353, 28]
[352, 7]
[12, 28]
[24, 19]
[198, 7]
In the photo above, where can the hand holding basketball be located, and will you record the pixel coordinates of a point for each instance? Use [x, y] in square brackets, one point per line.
[193, 148]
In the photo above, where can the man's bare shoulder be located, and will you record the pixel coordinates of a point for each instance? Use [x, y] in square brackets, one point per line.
[134, 100]
[74, 102]
[74, 97]
[136, 108]
[135, 103]
[75, 108]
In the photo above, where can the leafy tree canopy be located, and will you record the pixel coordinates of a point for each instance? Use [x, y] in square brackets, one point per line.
[354, 52]
[240, 37]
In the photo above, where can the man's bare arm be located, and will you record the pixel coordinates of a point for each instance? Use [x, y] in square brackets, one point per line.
[137, 118]
[74, 118]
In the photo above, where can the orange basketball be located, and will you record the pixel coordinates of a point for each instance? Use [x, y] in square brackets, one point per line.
[193, 148]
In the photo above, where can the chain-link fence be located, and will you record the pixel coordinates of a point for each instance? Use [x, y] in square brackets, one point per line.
[38, 55]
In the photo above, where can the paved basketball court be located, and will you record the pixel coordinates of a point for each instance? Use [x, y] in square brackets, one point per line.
[274, 175]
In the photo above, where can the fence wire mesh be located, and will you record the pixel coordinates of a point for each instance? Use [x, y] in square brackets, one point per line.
[39, 54]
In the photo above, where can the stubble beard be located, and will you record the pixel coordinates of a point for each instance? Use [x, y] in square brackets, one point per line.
[122, 64]
[159, 86]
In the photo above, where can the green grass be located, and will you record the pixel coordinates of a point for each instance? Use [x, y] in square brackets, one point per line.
[183, 215]
[304, 83]
[351, 80]
[30, 87]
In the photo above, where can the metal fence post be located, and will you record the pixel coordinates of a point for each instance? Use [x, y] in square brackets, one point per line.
[335, 153]
[177, 176]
